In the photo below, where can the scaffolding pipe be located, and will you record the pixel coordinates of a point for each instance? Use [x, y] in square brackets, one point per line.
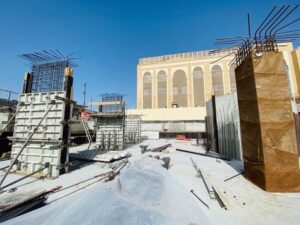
[87, 132]
[11, 119]
[47, 165]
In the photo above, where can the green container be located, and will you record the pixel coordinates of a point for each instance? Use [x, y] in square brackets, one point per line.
[144, 148]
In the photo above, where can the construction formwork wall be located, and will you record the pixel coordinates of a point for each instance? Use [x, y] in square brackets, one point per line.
[45, 145]
[133, 129]
[228, 126]
[110, 133]
[110, 122]
[270, 152]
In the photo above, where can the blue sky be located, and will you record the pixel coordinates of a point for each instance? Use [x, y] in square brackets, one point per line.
[110, 36]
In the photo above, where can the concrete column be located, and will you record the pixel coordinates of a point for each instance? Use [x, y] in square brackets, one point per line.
[169, 87]
[154, 89]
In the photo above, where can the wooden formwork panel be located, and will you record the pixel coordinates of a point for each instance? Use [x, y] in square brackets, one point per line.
[267, 125]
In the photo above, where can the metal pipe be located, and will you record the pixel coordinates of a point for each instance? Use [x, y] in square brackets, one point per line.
[222, 57]
[47, 164]
[284, 26]
[289, 13]
[290, 31]
[21, 105]
[233, 176]
[8, 91]
[249, 28]
[192, 191]
[274, 17]
[264, 21]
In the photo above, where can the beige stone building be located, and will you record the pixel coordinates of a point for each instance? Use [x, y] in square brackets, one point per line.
[184, 79]
[188, 80]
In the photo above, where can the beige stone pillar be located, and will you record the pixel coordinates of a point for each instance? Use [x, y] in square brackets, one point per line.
[226, 80]
[296, 71]
[169, 88]
[207, 81]
[154, 89]
[291, 70]
[189, 88]
[139, 96]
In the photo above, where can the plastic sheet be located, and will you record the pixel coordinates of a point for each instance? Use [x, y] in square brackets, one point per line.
[143, 194]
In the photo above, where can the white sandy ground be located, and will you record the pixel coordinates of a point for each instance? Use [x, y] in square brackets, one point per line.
[247, 204]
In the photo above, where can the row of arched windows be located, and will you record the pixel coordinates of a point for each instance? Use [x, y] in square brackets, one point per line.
[180, 86]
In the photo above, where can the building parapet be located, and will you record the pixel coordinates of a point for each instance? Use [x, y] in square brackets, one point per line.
[185, 56]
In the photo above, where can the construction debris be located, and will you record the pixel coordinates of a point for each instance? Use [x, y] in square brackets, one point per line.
[160, 148]
[24, 177]
[233, 176]
[192, 191]
[219, 199]
[100, 156]
[12, 207]
[95, 179]
[166, 161]
[144, 148]
[144, 193]
[211, 192]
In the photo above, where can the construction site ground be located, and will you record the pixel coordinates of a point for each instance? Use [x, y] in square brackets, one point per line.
[245, 202]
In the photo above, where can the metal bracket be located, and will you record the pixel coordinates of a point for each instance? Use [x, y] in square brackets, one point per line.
[65, 100]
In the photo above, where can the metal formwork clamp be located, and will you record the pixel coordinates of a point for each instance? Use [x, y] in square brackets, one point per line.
[65, 100]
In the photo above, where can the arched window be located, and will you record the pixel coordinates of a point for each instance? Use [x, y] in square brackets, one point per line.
[162, 89]
[147, 90]
[198, 82]
[232, 78]
[217, 80]
[180, 88]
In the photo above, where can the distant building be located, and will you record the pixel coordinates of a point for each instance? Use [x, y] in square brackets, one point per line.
[175, 88]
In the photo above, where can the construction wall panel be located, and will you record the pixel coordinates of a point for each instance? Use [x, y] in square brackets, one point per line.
[110, 133]
[133, 129]
[44, 146]
[228, 124]
[228, 127]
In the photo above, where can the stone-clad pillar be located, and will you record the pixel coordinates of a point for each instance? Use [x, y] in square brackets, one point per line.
[270, 152]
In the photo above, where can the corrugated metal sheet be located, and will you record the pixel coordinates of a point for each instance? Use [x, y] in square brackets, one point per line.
[228, 126]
